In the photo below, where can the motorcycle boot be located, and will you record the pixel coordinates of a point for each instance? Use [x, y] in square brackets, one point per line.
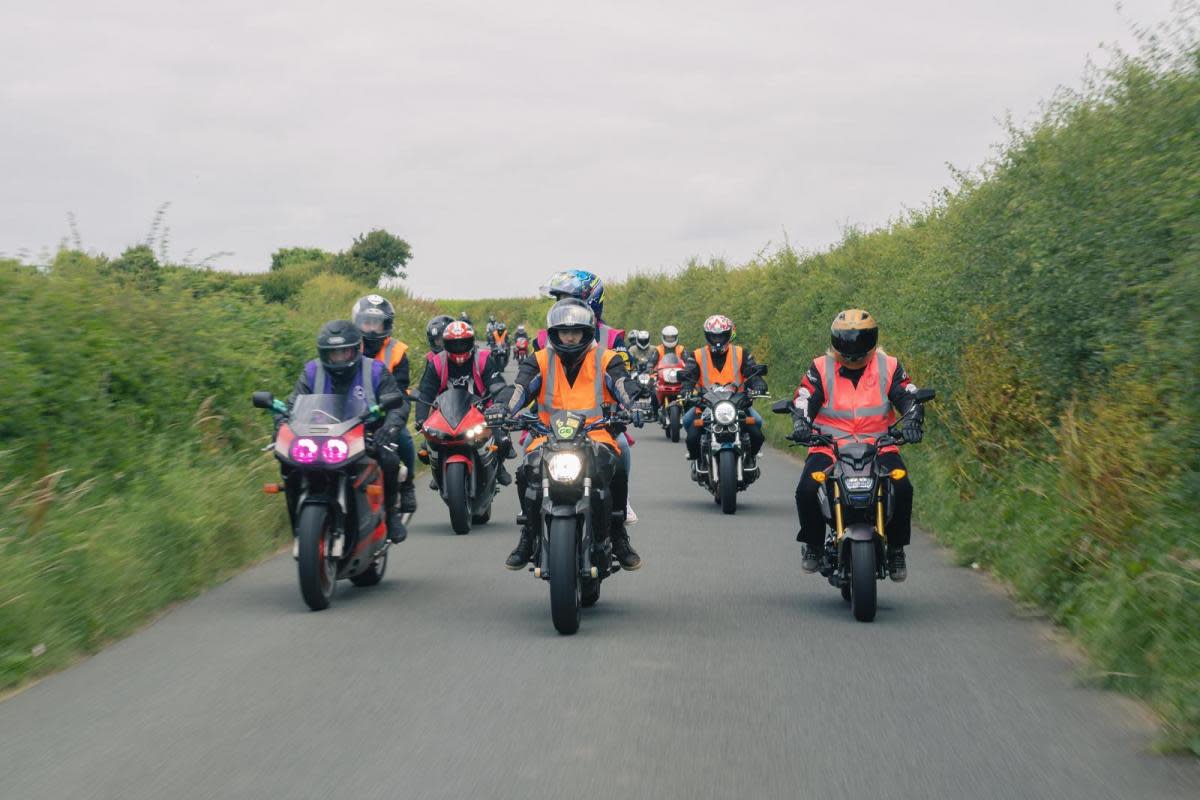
[503, 477]
[408, 498]
[396, 529]
[811, 561]
[897, 567]
[521, 554]
[622, 549]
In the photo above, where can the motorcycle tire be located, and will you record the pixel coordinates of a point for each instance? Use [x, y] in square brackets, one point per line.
[457, 498]
[727, 481]
[862, 580]
[374, 573]
[317, 573]
[673, 423]
[563, 560]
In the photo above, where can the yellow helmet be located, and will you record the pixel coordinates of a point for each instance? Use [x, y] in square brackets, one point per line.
[853, 337]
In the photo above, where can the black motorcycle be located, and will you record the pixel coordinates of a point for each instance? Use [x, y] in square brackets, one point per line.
[857, 499]
[337, 513]
[573, 501]
[463, 457]
[724, 413]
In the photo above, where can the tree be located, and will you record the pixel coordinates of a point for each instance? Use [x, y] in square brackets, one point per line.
[286, 256]
[386, 254]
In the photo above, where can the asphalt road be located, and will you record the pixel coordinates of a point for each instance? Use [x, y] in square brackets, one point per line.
[718, 670]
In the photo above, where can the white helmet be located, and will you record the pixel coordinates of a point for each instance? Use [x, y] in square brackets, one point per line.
[670, 335]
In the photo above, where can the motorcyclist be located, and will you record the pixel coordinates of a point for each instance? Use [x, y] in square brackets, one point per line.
[640, 351]
[670, 344]
[464, 317]
[499, 335]
[491, 326]
[374, 316]
[719, 361]
[340, 368]
[433, 331]
[466, 366]
[855, 390]
[570, 375]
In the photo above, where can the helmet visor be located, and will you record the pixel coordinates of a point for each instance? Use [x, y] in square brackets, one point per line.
[371, 322]
[458, 347]
[339, 355]
[718, 341]
[570, 315]
[854, 345]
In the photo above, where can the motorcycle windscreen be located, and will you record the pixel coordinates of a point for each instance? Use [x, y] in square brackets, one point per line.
[669, 360]
[566, 425]
[455, 404]
[325, 414]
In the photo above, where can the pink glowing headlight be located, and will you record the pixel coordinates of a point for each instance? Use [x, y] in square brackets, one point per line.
[334, 451]
[304, 451]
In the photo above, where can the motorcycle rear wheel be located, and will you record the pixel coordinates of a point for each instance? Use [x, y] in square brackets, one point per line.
[673, 423]
[862, 580]
[563, 560]
[456, 497]
[317, 573]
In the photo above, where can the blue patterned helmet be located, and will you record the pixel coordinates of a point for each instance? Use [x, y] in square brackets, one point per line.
[580, 284]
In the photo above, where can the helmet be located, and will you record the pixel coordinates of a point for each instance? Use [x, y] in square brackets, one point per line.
[433, 331]
[580, 284]
[459, 340]
[500, 326]
[643, 338]
[463, 316]
[521, 330]
[719, 330]
[853, 337]
[374, 315]
[570, 314]
[491, 317]
[670, 336]
[339, 347]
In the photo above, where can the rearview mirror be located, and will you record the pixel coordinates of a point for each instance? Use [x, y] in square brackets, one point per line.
[389, 402]
[263, 400]
[784, 406]
[925, 395]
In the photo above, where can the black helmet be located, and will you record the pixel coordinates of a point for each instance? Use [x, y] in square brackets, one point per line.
[339, 347]
[374, 316]
[433, 331]
[500, 326]
[853, 335]
[570, 314]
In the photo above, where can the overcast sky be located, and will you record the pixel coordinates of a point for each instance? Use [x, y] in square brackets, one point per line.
[505, 141]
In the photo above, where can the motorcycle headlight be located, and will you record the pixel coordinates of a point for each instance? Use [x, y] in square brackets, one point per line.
[564, 467]
[860, 484]
[671, 375]
[335, 451]
[724, 413]
[644, 380]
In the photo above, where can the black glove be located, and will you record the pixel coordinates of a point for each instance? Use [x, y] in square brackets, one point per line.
[494, 415]
[802, 429]
[386, 435]
[913, 430]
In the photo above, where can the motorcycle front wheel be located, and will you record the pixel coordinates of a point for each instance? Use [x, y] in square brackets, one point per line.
[727, 481]
[673, 423]
[862, 580]
[457, 498]
[316, 571]
[563, 560]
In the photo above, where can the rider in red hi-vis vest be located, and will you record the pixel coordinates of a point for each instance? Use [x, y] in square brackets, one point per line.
[853, 392]
[572, 374]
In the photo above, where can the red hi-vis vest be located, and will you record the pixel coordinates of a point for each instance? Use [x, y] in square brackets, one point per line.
[441, 364]
[730, 373]
[392, 353]
[856, 413]
[585, 395]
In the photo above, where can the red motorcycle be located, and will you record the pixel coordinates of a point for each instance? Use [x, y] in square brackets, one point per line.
[463, 457]
[520, 348]
[667, 388]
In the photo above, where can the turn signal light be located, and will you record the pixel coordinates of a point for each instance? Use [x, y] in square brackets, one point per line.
[749, 421]
[374, 491]
[699, 423]
[819, 477]
[897, 474]
[271, 488]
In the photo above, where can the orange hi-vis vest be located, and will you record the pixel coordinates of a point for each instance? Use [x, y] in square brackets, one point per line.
[662, 351]
[730, 373]
[500, 336]
[392, 353]
[856, 413]
[585, 395]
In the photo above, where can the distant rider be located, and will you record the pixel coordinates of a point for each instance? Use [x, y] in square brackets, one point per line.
[433, 331]
[640, 351]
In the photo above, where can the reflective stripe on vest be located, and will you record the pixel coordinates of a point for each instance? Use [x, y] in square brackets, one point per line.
[550, 383]
[366, 378]
[441, 365]
[854, 419]
[734, 359]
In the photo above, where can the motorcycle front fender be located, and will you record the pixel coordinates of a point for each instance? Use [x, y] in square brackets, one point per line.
[860, 532]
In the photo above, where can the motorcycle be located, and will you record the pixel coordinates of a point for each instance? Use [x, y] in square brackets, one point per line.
[573, 553]
[724, 414]
[463, 457]
[667, 387]
[520, 348]
[645, 379]
[338, 519]
[856, 498]
[500, 350]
